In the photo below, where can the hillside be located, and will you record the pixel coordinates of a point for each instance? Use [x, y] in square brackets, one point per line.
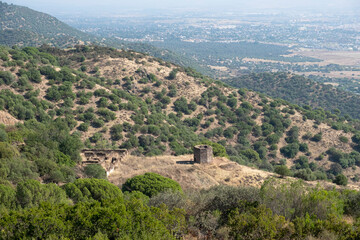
[62, 101]
[190, 176]
[300, 90]
[24, 26]
[221, 171]
[121, 99]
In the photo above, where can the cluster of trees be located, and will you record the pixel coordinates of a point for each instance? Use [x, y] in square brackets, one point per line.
[154, 207]
[34, 149]
[300, 90]
[345, 83]
[229, 54]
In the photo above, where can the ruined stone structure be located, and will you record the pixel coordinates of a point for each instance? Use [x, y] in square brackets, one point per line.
[106, 158]
[203, 154]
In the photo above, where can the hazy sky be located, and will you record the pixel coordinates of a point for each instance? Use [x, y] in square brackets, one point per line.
[56, 7]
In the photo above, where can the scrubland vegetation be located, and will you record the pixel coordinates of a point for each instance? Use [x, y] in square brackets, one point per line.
[96, 209]
[65, 101]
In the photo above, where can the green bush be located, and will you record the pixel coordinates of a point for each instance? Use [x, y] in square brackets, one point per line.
[92, 188]
[341, 180]
[257, 222]
[95, 171]
[83, 127]
[31, 193]
[317, 137]
[218, 149]
[282, 170]
[343, 139]
[7, 197]
[116, 132]
[172, 74]
[150, 184]
[6, 78]
[290, 150]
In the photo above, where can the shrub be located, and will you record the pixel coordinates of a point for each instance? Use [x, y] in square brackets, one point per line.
[273, 139]
[83, 127]
[303, 147]
[34, 75]
[7, 197]
[96, 137]
[116, 131]
[91, 188]
[97, 123]
[218, 149]
[317, 137]
[32, 193]
[172, 74]
[181, 105]
[150, 184]
[3, 135]
[283, 170]
[6, 78]
[356, 138]
[343, 139]
[290, 150]
[251, 155]
[341, 180]
[257, 222]
[95, 171]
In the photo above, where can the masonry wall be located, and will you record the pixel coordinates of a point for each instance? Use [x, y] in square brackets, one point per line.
[203, 154]
[106, 158]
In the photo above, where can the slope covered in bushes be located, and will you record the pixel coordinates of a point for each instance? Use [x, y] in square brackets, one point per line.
[122, 99]
[301, 90]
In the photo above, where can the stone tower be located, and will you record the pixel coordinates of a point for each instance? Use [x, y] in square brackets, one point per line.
[203, 154]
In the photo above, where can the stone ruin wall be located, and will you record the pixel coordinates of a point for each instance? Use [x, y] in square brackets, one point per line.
[108, 159]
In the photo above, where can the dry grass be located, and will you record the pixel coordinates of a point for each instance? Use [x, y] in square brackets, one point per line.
[7, 119]
[334, 74]
[189, 175]
[201, 176]
[333, 57]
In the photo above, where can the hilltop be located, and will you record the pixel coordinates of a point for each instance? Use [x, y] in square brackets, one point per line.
[112, 98]
[190, 176]
[24, 26]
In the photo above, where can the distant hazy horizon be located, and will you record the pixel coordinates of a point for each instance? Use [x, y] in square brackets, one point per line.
[95, 7]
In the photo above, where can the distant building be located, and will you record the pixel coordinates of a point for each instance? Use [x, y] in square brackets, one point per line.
[106, 158]
[203, 154]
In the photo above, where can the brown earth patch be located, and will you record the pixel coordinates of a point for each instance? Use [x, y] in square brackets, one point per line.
[7, 119]
[189, 175]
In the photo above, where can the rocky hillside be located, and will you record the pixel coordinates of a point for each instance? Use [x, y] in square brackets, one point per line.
[121, 99]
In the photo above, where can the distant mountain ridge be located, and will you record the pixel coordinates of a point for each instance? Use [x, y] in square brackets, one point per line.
[23, 26]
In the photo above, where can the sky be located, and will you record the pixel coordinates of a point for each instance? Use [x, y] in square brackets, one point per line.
[58, 7]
